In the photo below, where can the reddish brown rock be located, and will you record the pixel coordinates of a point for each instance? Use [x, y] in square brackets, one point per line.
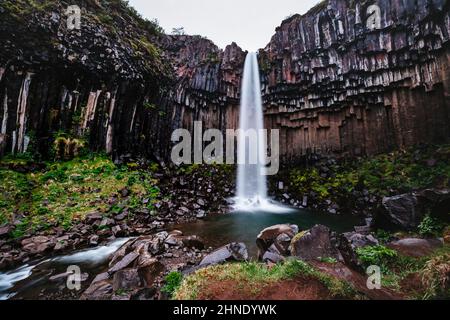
[276, 239]
[314, 244]
[126, 279]
[125, 262]
[100, 290]
[150, 271]
[38, 244]
[5, 230]
[416, 247]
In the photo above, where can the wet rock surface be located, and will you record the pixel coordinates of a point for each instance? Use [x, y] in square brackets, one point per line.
[350, 242]
[413, 247]
[408, 210]
[273, 243]
[230, 252]
[403, 211]
[319, 242]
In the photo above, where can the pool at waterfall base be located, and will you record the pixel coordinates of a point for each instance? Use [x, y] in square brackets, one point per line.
[244, 226]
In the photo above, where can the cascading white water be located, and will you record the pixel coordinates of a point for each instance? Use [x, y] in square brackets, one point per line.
[251, 180]
[252, 146]
[90, 259]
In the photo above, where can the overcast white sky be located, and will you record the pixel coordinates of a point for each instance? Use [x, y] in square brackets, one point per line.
[249, 23]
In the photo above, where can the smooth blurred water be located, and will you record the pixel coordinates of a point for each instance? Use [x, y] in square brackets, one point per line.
[251, 180]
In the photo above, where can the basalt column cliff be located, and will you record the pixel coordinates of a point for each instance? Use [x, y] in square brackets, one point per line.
[347, 78]
[117, 84]
[359, 77]
[208, 83]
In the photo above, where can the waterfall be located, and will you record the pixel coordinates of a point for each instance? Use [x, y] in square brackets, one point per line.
[252, 147]
[251, 180]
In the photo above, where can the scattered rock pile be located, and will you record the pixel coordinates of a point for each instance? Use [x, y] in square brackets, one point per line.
[187, 196]
[136, 270]
[195, 194]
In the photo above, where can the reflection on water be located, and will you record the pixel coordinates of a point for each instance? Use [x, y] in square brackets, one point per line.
[245, 226]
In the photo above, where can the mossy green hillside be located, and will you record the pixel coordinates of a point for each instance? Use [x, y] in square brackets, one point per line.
[65, 192]
[432, 272]
[383, 175]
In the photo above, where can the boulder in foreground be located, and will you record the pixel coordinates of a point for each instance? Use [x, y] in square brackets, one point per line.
[275, 241]
[314, 244]
[231, 252]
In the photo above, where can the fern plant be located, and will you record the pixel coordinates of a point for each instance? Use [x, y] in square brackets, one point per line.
[377, 255]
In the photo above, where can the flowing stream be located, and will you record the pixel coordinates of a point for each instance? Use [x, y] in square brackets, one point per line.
[29, 280]
[32, 280]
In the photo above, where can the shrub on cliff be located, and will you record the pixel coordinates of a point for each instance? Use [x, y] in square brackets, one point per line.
[430, 227]
[338, 185]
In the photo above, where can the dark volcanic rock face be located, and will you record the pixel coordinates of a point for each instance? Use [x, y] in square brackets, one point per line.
[208, 82]
[359, 77]
[117, 82]
[93, 82]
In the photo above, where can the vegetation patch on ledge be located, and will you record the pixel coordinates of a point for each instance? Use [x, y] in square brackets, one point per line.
[63, 193]
[359, 184]
[417, 278]
[251, 280]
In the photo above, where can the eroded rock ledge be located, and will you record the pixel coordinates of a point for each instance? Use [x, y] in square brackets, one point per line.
[208, 82]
